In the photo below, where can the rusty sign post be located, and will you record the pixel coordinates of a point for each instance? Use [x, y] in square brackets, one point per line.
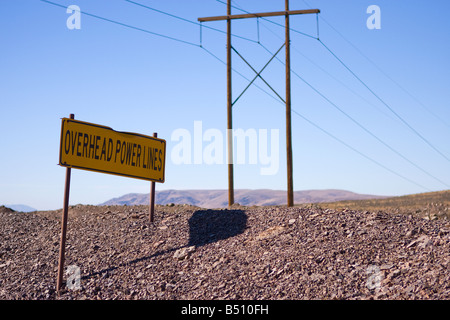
[62, 245]
[228, 18]
[152, 195]
[94, 147]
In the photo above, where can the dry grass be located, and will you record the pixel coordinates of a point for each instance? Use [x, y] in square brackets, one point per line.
[430, 205]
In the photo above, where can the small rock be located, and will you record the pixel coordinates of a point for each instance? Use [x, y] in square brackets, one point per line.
[410, 233]
[313, 215]
[386, 266]
[182, 253]
[319, 259]
[271, 232]
[424, 242]
[158, 243]
[394, 274]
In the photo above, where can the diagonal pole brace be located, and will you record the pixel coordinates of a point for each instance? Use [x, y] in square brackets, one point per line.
[258, 74]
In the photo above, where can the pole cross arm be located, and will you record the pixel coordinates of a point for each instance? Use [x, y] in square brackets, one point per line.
[259, 15]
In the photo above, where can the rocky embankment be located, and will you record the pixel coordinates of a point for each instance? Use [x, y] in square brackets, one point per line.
[243, 253]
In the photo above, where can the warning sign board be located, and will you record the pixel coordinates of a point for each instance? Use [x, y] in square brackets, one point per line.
[98, 148]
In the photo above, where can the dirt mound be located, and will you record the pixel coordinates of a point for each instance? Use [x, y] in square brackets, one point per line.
[242, 253]
[4, 209]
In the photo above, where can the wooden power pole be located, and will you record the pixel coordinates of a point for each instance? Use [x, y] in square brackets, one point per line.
[229, 17]
[229, 112]
[290, 179]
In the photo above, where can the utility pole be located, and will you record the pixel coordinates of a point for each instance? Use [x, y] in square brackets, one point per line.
[229, 17]
[290, 179]
[229, 112]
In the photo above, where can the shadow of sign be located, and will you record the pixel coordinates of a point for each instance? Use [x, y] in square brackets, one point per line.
[205, 226]
[208, 226]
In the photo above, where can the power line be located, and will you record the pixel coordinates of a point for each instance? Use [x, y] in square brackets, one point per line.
[344, 143]
[333, 77]
[365, 85]
[347, 115]
[382, 71]
[376, 95]
[270, 21]
[126, 25]
[151, 32]
[187, 20]
[359, 124]
[168, 37]
[209, 52]
[323, 44]
[328, 133]
[333, 136]
[383, 102]
[357, 151]
[325, 131]
[336, 138]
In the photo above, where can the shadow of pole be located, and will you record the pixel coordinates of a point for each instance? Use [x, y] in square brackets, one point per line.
[208, 226]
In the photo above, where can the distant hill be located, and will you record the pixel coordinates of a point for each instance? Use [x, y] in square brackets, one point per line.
[219, 198]
[20, 207]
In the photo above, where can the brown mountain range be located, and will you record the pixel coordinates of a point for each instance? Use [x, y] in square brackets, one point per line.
[245, 197]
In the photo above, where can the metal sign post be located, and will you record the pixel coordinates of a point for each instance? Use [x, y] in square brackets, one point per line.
[62, 246]
[94, 147]
[152, 194]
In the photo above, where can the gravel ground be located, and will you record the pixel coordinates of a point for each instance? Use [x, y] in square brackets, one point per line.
[251, 253]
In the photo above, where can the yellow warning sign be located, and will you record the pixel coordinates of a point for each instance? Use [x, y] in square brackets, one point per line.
[98, 148]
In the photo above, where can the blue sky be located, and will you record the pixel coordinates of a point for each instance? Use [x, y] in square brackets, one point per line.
[135, 81]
